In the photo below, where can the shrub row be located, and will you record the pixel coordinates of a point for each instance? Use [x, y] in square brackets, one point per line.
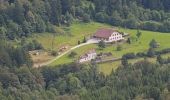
[144, 54]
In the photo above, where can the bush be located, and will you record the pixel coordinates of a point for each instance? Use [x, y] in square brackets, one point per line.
[164, 51]
[72, 54]
[79, 42]
[102, 44]
[84, 40]
[141, 54]
[151, 25]
[86, 18]
[101, 17]
[129, 56]
[153, 44]
[119, 48]
[131, 23]
[160, 59]
[129, 41]
[34, 45]
[151, 52]
[124, 61]
[54, 53]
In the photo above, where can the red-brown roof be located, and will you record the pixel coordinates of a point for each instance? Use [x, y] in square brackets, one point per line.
[104, 33]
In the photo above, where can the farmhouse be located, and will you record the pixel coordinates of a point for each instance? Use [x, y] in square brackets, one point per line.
[88, 56]
[108, 35]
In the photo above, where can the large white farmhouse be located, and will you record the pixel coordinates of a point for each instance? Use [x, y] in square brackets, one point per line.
[88, 56]
[108, 35]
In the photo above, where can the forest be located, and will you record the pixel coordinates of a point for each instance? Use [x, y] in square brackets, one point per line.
[21, 18]
[143, 80]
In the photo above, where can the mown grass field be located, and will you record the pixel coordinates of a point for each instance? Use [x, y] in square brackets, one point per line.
[79, 30]
[107, 68]
[76, 32]
[66, 59]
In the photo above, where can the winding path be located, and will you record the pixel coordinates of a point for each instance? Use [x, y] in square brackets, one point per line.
[90, 41]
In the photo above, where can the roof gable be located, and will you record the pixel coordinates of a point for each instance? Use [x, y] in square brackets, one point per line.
[88, 53]
[104, 33]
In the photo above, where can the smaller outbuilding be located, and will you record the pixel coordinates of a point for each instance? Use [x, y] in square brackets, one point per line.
[91, 54]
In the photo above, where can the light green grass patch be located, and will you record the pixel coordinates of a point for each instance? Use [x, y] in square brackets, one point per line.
[141, 45]
[77, 31]
[108, 67]
[66, 59]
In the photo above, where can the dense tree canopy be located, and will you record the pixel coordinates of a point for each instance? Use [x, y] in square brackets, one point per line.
[142, 80]
[22, 17]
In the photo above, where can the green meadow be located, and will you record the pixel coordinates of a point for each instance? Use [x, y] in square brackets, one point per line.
[108, 67]
[70, 35]
[80, 30]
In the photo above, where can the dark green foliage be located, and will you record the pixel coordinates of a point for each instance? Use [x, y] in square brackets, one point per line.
[141, 54]
[143, 80]
[10, 56]
[21, 18]
[84, 40]
[129, 41]
[54, 53]
[72, 54]
[119, 48]
[160, 60]
[33, 45]
[164, 51]
[83, 82]
[78, 42]
[138, 34]
[86, 18]
[56, 10]
[154, 93]
[3, 32]
[115, 19]
[102, 44]
[40, 25]
[151, 25]
[151, 52]
[153, 44]
[18, 11]
[130, 23]
[129, 56]
[68, 18]
[124, 61]
[101, 17]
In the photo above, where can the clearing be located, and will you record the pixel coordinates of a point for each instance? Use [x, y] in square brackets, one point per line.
[79, 30]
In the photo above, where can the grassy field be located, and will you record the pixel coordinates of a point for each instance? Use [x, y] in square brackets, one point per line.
[74, 33]
[66, 59]
[140, 46]
[79, 30]
[108, 67]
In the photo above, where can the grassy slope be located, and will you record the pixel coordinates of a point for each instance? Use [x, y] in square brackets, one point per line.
[79, 30]
[106, 67]
[65, 59]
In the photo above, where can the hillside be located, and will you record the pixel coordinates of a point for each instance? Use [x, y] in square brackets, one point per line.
[20, 18]
[48, 50]
[141, 45]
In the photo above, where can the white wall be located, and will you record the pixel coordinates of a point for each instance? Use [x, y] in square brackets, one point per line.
[90, 57]
[115, 37]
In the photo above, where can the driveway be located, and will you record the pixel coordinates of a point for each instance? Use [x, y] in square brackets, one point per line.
[90, 41]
